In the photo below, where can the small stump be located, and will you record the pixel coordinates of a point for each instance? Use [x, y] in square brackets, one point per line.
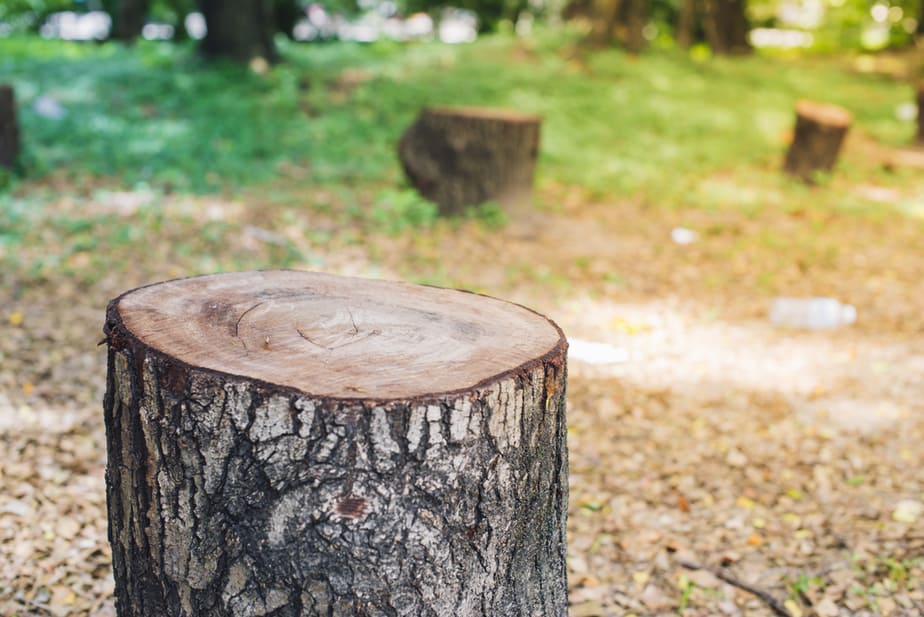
[820, 131]
[461, 156]
[9, 128]
[299, 444]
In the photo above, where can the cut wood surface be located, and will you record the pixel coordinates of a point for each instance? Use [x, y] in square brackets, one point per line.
[337, 336]
[9, 127]
[464, 156]
[817, 139]
[304, 445]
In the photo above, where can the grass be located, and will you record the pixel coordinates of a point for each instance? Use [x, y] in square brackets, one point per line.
[667, 129]
[614, 124]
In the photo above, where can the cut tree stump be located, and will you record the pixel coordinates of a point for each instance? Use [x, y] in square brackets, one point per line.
[9, 128]
[465, 156]
[299, 444]
[819, 134]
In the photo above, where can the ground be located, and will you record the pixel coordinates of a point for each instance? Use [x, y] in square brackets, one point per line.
[725, 460]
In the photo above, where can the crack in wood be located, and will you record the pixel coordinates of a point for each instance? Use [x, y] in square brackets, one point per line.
[237, 325]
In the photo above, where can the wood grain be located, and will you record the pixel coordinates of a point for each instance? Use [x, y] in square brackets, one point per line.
[335, 336]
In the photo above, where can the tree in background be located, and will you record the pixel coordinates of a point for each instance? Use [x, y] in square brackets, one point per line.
[128, 17]
[620, 21]
[239, 30]
[726, 25]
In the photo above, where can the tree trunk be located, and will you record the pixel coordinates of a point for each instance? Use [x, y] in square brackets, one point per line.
[463, 156]
[128, 19]
[239, 30]
[286, 14]
[636, 15]
[9, 127]
[297, 444]
[726, 25]
[605, 20]
[686, 23]
[819, 133]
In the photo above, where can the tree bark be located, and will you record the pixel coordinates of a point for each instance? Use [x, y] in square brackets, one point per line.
[296, 445]
[9, 127]
[239, 30]
[460, 157]
[817, 139]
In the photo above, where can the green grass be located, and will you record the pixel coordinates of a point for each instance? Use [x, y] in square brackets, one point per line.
[667, 128]
[614, 124]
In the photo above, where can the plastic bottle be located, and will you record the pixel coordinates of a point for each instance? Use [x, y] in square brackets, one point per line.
[811, 313]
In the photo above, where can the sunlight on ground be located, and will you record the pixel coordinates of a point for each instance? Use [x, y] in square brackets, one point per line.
[833, 379]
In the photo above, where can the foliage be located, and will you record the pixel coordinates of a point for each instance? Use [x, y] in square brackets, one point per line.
[29, 14]
[397, 210]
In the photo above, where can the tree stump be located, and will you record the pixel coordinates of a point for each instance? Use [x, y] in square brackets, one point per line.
[464, 156]
[299, 444]
[9, 128]
[820, 131]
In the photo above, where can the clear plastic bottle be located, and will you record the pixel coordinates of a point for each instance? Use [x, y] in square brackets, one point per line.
[811, 313]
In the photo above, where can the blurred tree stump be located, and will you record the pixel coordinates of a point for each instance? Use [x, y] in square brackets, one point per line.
[465, 156]
[297, 444]
[9, 127]
[819, 134]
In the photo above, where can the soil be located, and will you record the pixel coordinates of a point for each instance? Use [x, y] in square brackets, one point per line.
[727, 467]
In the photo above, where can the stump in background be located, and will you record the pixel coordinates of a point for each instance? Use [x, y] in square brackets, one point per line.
[9, 128]
[819, 134]
[463, 156]
[300, 444]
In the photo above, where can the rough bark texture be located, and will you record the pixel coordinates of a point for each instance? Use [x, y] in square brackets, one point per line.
[239, 30]
[231, 496]
[9, 127]
[818, 136]
[460, 157]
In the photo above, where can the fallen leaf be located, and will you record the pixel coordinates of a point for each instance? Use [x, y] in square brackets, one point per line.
[641, 578]
[793, 608]
[593, 608]
[826, 608]
[67, 528]
[907, 511]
